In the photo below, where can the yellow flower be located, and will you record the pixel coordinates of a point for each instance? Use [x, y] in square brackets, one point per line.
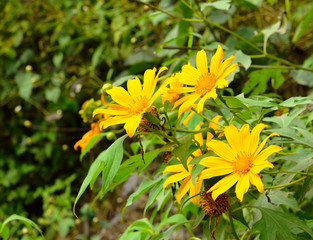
[241, 158]
[181, 173]
[94, 130]
[172, 96]
[132, 104]
[203, 83]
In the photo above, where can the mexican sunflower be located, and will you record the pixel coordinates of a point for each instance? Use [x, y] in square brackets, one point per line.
[181, 173]
[132, 104]
[172, 96]
[203, 84]
[241, 158]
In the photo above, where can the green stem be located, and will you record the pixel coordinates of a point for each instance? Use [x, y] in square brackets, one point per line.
[188, 131]
[233, 226]
[209, 120]
[286, 185]
[287, 171]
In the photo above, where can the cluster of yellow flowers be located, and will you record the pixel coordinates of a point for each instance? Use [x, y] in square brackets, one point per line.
[241, 159]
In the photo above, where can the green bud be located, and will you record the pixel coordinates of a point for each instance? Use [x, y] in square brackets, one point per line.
[106, 86]
[111, 136]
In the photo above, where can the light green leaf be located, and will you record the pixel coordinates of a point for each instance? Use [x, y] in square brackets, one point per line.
[5, 233]
[142, 225]
[303, 77]
[91, 143]
[95, 60]
[52, 94]
[57, 59]
[144, 186]
[123, 79]
[155, 191]
[268, 31]
[242, 58]
[25, 220]
[220, 4]
[304, 25]
[25, 84]
[277, 225]
[295, 101]
[306, 139]
[105, 159]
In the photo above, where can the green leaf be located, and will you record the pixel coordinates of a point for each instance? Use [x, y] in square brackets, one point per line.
[112, 161]
[105, 158]
[295, 101]
[91, 143]
[183, 149]
[52, 94]
[95, 60]
[242, 58]
[25, 220]
[239, 213]
[234, 102]
[25, 84]
[259, 101]
[302, 77]
[155, 191]
[5, 233]
[277, 225]
[57, 59]
[220, 4]
[268, 31]
[144, 186]
[306, 139]
[304, 24]
[142, 225]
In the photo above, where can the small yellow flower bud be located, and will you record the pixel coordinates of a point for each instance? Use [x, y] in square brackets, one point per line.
[133, 39]
[27, 123]
[28, 68]
[18, 108]
[95, 220]
[25, 230]
[65, 147]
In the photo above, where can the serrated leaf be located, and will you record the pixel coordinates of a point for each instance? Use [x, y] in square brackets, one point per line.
[306, 139]
[242, 58]
[295, 101]
[274, 223]
[105, 158]
[235, 103]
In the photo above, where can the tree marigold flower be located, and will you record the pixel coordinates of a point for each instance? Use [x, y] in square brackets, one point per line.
[132, 104]
[203, 83]
[241, 158]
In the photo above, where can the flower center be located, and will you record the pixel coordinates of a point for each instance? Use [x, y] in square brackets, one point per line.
[243, 164]
[205, 83]
[139, 105]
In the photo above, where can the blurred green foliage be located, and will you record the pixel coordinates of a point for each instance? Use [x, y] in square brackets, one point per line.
[55, 54]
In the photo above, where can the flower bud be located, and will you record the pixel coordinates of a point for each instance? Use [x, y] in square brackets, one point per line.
[106, 86]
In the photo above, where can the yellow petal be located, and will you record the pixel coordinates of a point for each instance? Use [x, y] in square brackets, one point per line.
[221, 83]
[175, 178]
[113, 121]
[256, 181]
[224, 65]
[242, 186]
[117, 110]
[134, 87]
[120, 96]
[216, 60]
[132, 124]
[182, 100]
[223, 185]
[186, 120]
[214, 122]
[186, 106]
[189, 75]
[149, 83]
[245, 136]
[228, 70]
[195, 190]
[202, 62]
[214, 162]
[201, 103]
[181, 90]
[223, 150]
[184, 188]
[175, 168]
[233, 138]
[262, 156]
[198, 136]
[255, 136]
[216, 171]
[256, 169]
[261, 146]
[212, 94]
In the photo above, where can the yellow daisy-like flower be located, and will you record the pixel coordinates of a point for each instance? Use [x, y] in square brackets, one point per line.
[94, 130]
[172, 96]
[241, 158]
[181, 173]
[132, 104]
[203, 84]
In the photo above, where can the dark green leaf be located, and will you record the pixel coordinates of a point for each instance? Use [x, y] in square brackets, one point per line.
[183, 149]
